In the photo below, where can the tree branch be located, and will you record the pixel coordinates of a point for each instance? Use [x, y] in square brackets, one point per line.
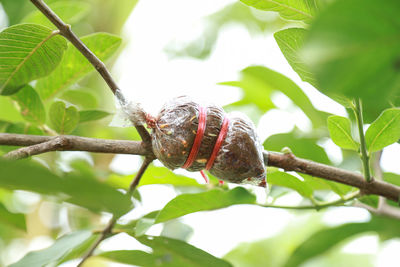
[103, 235]
[65, 30]
[39, 144]
[108, 229]
[287, 161]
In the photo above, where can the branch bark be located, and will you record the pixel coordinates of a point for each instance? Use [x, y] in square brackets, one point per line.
[289, 162]
[286, 161]
[37, 144]
[65, 30]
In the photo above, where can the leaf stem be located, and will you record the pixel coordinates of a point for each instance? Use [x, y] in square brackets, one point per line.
[363, 146]
[320, 205]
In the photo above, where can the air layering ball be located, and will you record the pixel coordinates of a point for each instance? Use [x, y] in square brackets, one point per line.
[195, 137]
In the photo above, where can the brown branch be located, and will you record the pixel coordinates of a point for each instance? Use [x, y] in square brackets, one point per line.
[40, 144]
[139, 174]
[108, 229]
[103, 235]
[65, 30]
[51, 145]
[287, 162]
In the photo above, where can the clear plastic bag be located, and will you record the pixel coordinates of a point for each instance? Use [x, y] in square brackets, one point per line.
[239, 158]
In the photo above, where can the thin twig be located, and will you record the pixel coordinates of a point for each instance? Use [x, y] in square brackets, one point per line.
[65, 30]
[139, 174]
[363, 145]
[318, 206]
[103, 235]
[108, 229]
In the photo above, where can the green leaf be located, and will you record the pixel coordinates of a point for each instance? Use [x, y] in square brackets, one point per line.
[210, 200]
[153, 175]
[167, 252]
[143, 225]
[343, 258]
[321, 184]
[3, 125]
[384, 131]
[290, 41]
[92, 115]
[129, 226]
[30, 105]
[64, 120]
[248, 254]
[74, 65]
[371, 200]
[303, 147]
[290, 181]
[23, 128]
[16, 220]
[74, 188]
[303, 10]
[79, 250]
[357, 55]
[325, 239]
[69, 11]
[16, 9]
[392, 178]
[82, 99]
[182, 254]
[340, 132]
[132, 257]
[54, 253]
[178, 230]
[27, 52]
[259, 82]
[8, 110]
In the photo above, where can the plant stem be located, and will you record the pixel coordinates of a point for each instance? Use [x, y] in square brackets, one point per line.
[65, 30]
[108, 229]
[363, 145]
[320, 205]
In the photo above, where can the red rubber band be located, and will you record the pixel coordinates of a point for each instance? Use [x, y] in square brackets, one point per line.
[199, 137]
[220, 139]
[205, 177]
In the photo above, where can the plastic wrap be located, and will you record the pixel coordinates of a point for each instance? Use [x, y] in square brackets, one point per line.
[239, 159]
